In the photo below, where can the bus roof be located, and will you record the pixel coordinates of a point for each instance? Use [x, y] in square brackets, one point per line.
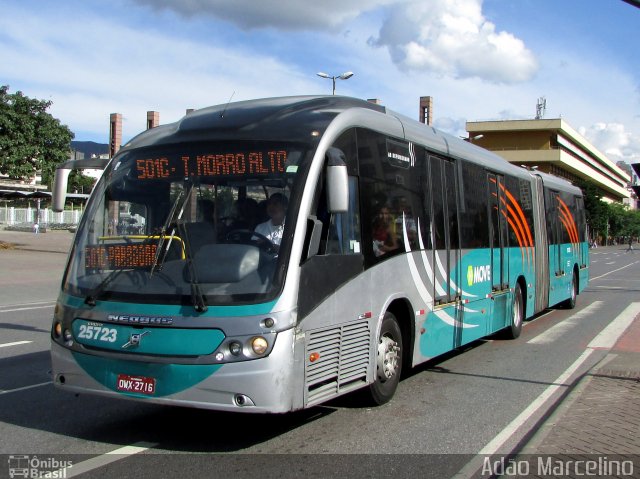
[282, 118]
[291, 118]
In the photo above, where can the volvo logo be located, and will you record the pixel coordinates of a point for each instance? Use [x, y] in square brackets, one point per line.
[134, 340]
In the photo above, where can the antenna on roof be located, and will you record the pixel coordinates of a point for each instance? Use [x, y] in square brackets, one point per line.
[225, 107]
[541, 108]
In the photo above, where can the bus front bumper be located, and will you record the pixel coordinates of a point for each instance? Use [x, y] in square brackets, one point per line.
[259, 386]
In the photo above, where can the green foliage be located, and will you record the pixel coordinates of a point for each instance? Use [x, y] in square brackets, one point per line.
[614, 219]
[79, 183]
[30, 138]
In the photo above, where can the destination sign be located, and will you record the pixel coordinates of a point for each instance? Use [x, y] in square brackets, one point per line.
[210, 165]
[119, 256]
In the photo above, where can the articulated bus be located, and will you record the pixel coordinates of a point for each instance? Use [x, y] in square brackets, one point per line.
[396, 243]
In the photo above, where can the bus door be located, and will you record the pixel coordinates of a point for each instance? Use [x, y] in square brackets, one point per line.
[498, 251]
[446, 242]
[555, 236]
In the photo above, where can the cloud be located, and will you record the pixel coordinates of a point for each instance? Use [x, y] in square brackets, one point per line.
[280, 14]
[614, 141]
[136, 70]
[452, 38]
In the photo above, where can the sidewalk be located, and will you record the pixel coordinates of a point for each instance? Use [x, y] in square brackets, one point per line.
[53, 241]
[600, 418]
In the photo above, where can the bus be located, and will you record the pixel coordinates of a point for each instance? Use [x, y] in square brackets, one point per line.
[273, 254]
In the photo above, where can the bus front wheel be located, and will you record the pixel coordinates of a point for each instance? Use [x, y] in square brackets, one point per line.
[388, 361]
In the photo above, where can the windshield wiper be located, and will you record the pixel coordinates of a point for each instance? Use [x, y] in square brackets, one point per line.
[90, 299]
[197, 298]
[165, 226]
[196, 293]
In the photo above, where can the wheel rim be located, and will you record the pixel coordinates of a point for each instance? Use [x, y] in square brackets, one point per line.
[388, 358]
[517, 312]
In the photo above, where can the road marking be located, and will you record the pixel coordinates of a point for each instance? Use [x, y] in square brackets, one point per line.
[9, 391]
[610, 335]
[16, 343]
[29, 308]
[557, 331]
[561, 382]
[605, 339]
[101, 461]
[607, 274]
[611, 262]
[32, 303]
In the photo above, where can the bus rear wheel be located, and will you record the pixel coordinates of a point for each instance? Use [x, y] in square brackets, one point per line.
[570, 302]
[517, 315]
[388, 361]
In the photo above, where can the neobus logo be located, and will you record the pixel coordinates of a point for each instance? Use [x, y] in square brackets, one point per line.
[127, 319]
[478, 274]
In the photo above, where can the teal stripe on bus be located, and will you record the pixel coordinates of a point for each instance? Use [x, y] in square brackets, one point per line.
[169, 378]
[150, 309]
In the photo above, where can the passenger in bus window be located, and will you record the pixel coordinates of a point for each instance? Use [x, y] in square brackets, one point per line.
[385, 238]
[404, 217]
[274, 227]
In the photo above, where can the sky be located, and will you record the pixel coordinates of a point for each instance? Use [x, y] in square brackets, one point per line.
[478, 59]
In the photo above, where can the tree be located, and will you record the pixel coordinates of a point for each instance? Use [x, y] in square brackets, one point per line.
[597, 211]
[31, 139]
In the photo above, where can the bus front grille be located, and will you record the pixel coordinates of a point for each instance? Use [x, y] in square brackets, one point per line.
[337, 360]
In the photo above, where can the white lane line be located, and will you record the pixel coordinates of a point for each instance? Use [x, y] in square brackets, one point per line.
[557, 331]
[16, 343]
[103, 460]
[609, 335]
[29, 308]
[25, 388]
[611, 262]
[605, 339]
[615, 270]
[561, 382]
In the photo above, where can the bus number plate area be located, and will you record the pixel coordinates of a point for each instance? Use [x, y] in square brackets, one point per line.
[136, 384]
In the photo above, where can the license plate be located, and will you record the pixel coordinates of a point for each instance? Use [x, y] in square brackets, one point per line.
[136, 384]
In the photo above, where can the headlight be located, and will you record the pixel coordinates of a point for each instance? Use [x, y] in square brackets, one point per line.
[259, 345]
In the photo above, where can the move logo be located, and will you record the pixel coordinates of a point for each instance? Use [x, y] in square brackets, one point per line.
[478, 274]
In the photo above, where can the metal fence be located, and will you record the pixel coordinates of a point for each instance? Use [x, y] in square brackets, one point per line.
[15, 216]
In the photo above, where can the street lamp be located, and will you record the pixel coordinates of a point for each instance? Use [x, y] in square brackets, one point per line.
[344, 76]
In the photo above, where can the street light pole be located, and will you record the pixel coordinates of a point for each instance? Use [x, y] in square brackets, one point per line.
[344, 76]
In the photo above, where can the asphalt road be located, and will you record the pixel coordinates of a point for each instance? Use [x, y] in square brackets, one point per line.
[487, 398]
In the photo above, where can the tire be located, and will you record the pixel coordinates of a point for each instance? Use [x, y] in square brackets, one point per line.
[570, 303]
[388, 362]
[517, 315]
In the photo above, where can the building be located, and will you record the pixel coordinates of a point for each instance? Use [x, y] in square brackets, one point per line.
[552, 146]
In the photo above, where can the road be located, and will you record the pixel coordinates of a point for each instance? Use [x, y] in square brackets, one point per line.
[489, 397]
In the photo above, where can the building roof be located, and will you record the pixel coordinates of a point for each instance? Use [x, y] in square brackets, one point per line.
[554, 144]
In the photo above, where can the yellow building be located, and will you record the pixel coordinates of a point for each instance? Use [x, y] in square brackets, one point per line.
[552, 146]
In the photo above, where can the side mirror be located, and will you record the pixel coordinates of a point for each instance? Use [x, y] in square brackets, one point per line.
[337, 181]
[59, 195]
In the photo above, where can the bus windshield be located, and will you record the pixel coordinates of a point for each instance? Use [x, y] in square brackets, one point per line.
[188, 224]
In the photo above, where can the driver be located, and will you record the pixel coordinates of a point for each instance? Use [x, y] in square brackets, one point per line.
[276, 209]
